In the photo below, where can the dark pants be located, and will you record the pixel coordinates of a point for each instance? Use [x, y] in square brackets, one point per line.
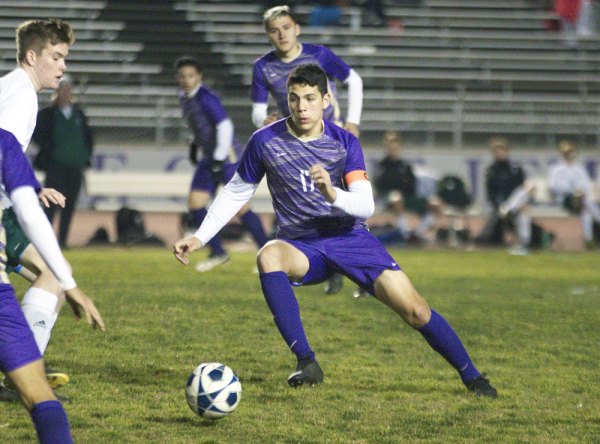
[68, 181]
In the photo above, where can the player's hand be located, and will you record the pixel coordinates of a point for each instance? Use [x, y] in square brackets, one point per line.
[51, 196]
[79, 303]
[321, 177]
[271, 118]
[183, 247]
[194, 153]
[216, 171]
[353, 128]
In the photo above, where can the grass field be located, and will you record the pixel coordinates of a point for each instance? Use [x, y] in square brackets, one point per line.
[532, 323]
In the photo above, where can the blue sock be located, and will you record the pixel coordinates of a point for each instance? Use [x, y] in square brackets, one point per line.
[215, 242]
[442, 338]
[286, 312]
[255, 227]
[51, 423]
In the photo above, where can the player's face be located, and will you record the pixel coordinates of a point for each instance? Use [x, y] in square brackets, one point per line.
[283, 34]
[188, 78]
[306, 107]
[49, 65]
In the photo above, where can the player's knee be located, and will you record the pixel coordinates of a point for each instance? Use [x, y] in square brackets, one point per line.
[269, 258]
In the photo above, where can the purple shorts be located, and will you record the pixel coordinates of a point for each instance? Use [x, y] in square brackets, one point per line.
[358, 255]
[202, 179]
[17, 345]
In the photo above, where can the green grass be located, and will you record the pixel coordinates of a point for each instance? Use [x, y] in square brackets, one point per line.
[532, 323]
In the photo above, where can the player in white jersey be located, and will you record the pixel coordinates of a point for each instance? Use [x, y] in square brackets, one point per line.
[42, 46]
[571, 186]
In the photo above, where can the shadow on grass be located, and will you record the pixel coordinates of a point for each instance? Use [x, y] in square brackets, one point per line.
[191, 420]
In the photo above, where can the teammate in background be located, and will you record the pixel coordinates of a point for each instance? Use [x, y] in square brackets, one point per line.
[509, 194]
[270, 75]
[571, 186]
[214, 137]
[321, 196]
[42, 46]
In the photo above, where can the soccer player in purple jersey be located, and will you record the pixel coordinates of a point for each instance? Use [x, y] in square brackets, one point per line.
[20, 357]
[270, 75]
[321, 195]
[221, 151]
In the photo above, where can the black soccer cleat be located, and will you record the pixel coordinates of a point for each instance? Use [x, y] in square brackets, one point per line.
[307, 373]
[482, 387]
[334, 284]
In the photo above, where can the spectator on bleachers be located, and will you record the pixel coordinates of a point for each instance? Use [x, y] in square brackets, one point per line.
[509, 193]
[401, 193]
[66, 143]
[571, 186]
[327, 13]
[576, 19]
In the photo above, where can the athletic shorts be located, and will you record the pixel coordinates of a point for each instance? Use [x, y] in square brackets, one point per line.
[16, 240]
[202, 180]
[17, 344]
[358, 255]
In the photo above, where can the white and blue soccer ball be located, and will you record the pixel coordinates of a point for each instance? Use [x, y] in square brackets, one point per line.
[213, 390]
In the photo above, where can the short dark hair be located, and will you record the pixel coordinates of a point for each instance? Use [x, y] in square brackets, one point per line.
[36, 34]
[309, 74]
[188, 61]
[276, 12]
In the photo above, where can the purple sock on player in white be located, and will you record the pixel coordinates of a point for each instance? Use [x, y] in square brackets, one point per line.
[442, 338]
[286, 312]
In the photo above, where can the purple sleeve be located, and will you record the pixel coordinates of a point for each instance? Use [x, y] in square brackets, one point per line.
[354, 159]
[213, 108]
[251, 167]
[16, 170]
[259, 92]
[333, 65]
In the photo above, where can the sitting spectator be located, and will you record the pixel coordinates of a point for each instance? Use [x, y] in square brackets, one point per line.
[401, 191]
[508, 193]
[571, 186]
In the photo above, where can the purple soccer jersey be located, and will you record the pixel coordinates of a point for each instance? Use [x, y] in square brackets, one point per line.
[270, 75]
[300, 209]
[17, 345]
[204, 112]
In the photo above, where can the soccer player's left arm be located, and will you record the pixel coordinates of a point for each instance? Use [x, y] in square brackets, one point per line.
[355, 102]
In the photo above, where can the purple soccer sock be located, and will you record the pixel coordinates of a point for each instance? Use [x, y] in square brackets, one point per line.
[286, 312]
[51, 423]
[255, 227]
[442, 338]
[215, 242]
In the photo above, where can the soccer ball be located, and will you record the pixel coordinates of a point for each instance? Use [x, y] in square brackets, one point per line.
[213, 390]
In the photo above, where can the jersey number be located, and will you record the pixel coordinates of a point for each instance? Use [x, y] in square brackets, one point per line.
[307, 184]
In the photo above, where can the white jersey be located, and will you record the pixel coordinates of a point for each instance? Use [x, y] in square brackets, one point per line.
[18, 110]
[18, 105]
[567, 178]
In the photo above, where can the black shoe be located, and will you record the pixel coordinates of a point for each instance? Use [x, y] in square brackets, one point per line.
[8, 395]
[334, 284]
[307, 372]
[482, 387]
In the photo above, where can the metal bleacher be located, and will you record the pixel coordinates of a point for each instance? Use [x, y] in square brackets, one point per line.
[449, 72]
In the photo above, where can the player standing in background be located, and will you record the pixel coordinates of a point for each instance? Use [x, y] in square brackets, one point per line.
[42, 46]
[270, 75]
[214, 136]
[321, 195]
